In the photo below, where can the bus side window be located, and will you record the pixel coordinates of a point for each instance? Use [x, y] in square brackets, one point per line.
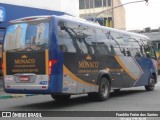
[63, 48]
[103, 42]
[65, 40]
[149, 51]
[136, 52]
[86, 37]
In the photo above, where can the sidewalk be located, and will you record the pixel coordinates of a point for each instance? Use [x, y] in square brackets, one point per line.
[4, 95]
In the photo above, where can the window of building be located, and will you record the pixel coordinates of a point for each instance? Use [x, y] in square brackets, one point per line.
[81, 4]
[98, 3]
[104, 3]
[91, 3]
[109, 2]
[87, 4]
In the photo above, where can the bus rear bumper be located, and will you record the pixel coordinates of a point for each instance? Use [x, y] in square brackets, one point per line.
[24, 91]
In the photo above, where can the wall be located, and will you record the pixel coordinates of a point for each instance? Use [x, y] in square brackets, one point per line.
[119, 16]
[71, 6]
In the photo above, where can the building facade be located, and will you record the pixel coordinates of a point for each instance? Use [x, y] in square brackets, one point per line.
[14, 9]
[111, 17]
[88, 9]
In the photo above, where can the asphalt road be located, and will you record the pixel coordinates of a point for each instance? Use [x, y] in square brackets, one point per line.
[127, 100]
[133, 99]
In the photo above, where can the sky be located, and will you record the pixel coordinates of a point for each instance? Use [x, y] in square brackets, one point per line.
[139, 15]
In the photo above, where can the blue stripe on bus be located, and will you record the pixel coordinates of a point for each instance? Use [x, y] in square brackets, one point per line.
[55, 84]
[144, 63]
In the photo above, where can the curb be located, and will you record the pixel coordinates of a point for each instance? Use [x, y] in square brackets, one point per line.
[5, 96]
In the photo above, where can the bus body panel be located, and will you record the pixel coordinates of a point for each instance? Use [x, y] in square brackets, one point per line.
[80, 72]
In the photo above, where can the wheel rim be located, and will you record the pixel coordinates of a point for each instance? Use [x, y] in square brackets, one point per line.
[104, 89]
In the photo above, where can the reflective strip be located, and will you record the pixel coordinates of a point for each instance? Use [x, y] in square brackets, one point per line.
[46, 58]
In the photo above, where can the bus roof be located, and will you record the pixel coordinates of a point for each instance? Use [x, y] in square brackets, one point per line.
[76, 20]
[89, 23]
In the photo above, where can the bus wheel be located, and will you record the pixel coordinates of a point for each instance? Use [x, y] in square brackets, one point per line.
[151, 85]
[60, 98]
[104, 90]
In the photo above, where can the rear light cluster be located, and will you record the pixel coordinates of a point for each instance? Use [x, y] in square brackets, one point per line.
[51, 63]
[2, 66]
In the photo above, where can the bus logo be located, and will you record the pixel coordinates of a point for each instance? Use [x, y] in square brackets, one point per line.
[24, 56]
[2, 14]
[88, 57]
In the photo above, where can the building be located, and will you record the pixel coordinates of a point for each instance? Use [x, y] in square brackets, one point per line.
[14, 9]
[90, 9]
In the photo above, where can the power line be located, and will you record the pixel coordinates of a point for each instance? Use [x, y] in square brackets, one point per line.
[120, 6]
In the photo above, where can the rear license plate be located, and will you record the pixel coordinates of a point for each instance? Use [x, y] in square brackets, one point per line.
[24, 78]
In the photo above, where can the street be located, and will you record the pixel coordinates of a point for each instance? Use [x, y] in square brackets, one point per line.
[132, 99]
[129, 99]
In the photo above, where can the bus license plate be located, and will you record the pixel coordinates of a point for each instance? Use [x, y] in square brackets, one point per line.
[24, 78]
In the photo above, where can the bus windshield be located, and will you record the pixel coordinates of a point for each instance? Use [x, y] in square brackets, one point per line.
[27, 36]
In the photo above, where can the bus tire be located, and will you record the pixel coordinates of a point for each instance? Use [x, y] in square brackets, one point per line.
[61, 98]
[151, 84]
[104, 89]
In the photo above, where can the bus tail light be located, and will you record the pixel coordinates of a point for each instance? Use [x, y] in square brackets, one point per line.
[51, 63]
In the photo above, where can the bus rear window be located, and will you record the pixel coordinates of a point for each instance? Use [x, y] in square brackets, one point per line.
[27, 36]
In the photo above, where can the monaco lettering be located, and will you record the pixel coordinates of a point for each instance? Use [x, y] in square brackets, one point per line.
[85, 64]
[25, 61]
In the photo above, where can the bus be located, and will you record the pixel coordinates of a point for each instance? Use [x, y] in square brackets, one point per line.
[64, 55]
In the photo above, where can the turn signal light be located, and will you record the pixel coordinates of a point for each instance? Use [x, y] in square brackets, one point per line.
[51, 63]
